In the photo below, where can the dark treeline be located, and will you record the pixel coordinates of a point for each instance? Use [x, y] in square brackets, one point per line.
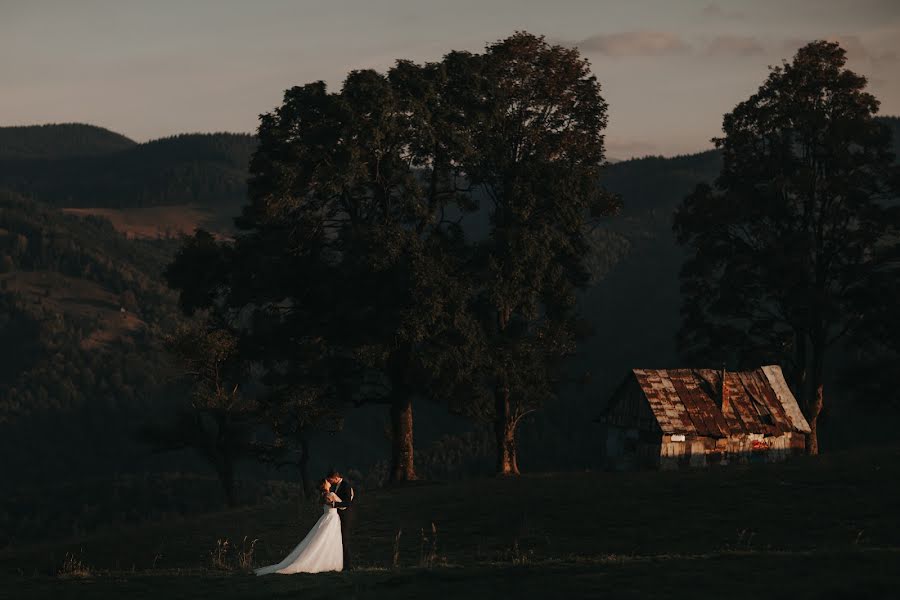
[206, 169]
[82, 165]
[64, 140]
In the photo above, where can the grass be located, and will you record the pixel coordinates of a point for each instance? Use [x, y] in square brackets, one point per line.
[815, 527]
[159, 221]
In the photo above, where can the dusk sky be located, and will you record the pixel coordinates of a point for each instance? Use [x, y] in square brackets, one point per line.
[669, 69]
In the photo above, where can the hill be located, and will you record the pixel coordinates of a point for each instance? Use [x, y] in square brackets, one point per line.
[57, 141]
[75, 165]
[893, 123]
[813, 527]
[163, 222]
[206, 169]
[82, 311]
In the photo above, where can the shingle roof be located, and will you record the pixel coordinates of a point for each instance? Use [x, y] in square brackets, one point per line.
[689, 401]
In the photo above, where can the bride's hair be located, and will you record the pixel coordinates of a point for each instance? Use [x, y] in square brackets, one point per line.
[323, 486]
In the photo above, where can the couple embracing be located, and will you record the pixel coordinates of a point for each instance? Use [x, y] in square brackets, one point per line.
[326, 546]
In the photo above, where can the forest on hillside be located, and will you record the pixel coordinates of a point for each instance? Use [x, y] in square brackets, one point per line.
[83, 312]
[93, 167]
[64, 140]
[78, 165]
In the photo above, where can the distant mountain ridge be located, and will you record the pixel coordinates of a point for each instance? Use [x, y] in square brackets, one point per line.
[79, 165]
[63, 140]
[86, 166]
[83, 311]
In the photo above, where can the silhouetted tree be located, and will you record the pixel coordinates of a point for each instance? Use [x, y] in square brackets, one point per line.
[535, 119]
[220, 421]
[791, 250]
[343, 270]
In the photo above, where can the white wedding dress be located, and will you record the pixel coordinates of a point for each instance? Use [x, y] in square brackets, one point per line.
[321, 549]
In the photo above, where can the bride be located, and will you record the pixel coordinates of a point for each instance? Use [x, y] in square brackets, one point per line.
[321, 549]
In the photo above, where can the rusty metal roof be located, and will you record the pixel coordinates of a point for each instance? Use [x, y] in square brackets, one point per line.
[690, 401]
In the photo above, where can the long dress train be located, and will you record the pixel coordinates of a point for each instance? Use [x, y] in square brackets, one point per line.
[321, 549]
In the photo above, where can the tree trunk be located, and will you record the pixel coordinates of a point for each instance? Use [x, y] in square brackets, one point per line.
[816, 397]
[504, 425]
[505, 432]
[812, 439]
[402, 455]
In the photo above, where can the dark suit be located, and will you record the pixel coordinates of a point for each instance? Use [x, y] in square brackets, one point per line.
[344, 491]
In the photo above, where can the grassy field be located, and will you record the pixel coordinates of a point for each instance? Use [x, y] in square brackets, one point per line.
[161, 221]
[826, 527]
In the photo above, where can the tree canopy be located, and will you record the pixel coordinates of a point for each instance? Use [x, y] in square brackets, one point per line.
[793, 250]
[351, 268]
[534, 120]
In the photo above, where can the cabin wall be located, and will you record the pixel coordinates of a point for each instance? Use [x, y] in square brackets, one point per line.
[629, 448]
[679, 451]
[632, 433]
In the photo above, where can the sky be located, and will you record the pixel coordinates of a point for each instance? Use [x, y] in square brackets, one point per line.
[669, 69]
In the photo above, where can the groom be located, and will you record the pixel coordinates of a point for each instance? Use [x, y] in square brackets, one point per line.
[344, 491]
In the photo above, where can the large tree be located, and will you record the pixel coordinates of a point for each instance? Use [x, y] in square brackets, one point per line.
[535, 148]
[345, 266]
[351, 267]
[790, 251]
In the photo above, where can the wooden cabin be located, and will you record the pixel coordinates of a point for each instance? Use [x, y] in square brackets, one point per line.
[671, 418]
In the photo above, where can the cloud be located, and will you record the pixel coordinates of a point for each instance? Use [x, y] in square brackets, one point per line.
[859, 51]
[714, 9]
[734, 45]
[634, 43]
[888, 57]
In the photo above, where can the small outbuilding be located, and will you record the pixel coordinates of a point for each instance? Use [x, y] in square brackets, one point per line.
[671, 418]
